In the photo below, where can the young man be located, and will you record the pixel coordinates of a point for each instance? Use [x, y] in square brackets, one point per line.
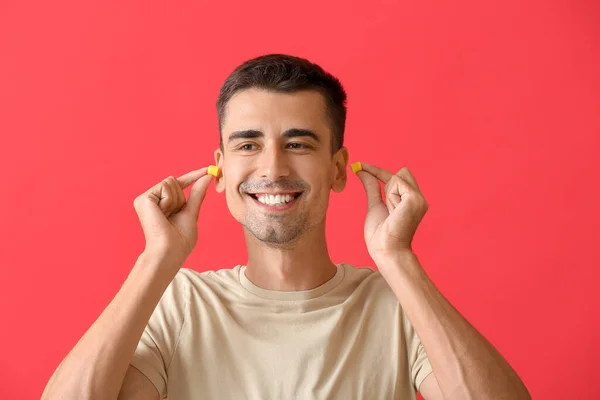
[289, 324]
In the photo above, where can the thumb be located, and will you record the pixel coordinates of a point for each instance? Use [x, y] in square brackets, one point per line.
[197, 194]
[372, 187]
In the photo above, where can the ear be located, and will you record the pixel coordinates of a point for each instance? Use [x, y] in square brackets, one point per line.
[340, 166]
[219, 181]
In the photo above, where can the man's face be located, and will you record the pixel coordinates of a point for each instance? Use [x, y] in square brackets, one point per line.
[277, 165]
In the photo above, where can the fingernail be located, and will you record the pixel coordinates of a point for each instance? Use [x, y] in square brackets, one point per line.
[213, 170]
[357, 166]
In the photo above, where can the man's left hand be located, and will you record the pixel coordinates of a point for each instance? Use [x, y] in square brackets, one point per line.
[391, 225]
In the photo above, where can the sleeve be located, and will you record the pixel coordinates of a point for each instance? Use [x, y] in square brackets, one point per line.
[419, 365]
[160, 338]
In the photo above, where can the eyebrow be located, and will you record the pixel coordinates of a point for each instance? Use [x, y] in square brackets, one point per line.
[290, 133]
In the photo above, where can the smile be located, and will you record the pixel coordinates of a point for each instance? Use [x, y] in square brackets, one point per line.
[278, 201]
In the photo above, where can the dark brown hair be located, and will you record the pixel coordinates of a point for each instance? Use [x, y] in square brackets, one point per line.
[284, 73]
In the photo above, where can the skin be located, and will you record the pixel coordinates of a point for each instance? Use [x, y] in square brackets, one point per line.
[465, 365]
[286, 250]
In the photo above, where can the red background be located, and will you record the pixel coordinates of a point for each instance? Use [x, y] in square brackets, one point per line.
[495, 107]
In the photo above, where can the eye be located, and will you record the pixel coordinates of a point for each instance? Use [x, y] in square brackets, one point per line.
[298, 146]
[247, 146]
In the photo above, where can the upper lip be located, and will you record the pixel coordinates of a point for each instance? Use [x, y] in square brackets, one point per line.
[274, 193]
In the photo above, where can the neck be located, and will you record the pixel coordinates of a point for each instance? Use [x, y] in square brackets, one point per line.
[303, 265]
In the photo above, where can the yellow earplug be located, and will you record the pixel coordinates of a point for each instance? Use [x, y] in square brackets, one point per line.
[214, 170]
[356, 167]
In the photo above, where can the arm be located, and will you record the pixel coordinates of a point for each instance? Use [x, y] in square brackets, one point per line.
[96, 367]
[465, 364]
[137, 387]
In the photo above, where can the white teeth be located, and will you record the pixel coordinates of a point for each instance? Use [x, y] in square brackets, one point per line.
[276, 200]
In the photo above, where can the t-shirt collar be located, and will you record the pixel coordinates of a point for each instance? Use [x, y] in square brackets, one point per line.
[292, 295]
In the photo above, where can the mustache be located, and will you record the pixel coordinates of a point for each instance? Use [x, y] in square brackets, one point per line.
[284, 186]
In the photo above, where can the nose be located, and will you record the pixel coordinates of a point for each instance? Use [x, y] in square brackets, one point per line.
[273, 163]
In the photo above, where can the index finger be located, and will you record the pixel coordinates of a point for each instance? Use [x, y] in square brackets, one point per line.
[191, 177]
[379, 173]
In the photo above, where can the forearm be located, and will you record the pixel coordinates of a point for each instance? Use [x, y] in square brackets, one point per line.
[96, 366]
[465, 364]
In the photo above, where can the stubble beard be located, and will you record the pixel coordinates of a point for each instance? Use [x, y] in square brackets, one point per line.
[277, 230]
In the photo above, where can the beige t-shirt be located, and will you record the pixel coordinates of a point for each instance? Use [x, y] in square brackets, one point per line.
[216, 335]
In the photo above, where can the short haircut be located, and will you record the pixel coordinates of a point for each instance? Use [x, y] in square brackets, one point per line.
[287, 74]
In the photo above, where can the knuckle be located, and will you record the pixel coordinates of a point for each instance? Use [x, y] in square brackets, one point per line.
[166, 201]
[138, 200]
[172, 180]
[174, 183]
[164, 185]
[393, 182]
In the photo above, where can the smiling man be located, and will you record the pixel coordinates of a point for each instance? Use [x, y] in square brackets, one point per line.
[289, 323]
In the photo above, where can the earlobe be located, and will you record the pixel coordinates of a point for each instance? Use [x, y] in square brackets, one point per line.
[219, 181]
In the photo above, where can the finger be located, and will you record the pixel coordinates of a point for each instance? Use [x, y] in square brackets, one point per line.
[405, 174]
[395, 189]
[197, 194]
[379, 173]
[392, 198]
[167, 198]
[145, 207]
[191, 177]
[180, 196]
[397, 185]
[186, 180]
[372, 187]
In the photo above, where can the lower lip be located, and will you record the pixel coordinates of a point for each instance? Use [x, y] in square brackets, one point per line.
[283, 207]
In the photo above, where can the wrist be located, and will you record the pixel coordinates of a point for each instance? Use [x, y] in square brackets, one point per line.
[393, 259]
[159, 263]
[403, 272]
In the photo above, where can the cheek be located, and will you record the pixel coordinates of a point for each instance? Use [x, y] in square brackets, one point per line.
[234, 198]
[232, 195]
[231, 181]
[321, 189]
[235, 204]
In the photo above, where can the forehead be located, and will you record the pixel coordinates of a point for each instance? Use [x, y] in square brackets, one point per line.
[274, 111]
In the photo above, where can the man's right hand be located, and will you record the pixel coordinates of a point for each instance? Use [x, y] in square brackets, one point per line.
[99, 365]
[170, 224]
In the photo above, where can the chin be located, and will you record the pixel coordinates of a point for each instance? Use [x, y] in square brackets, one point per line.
[274, 237]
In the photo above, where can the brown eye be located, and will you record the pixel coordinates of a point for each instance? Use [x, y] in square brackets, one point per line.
[247, 146]
[298, 146]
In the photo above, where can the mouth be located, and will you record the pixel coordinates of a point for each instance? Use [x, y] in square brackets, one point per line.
[275, 201]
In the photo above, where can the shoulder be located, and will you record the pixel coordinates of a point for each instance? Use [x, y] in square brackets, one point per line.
[362, 274]
[369, 281]
[190, 277]
[211, 285]
[373, 297]
[378, 292]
